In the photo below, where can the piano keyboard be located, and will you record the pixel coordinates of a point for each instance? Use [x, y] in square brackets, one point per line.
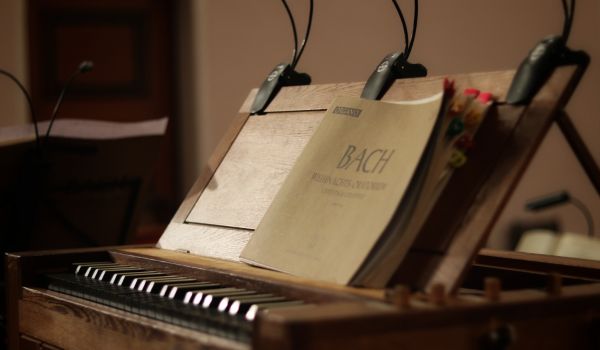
[202, 305]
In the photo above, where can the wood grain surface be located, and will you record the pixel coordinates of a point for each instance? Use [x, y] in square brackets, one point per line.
[258, 152]
[253, 170]
[73, 323]
[263, 278]
[507, 171]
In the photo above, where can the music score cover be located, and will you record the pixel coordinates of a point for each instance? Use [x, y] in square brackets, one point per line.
[367, 161]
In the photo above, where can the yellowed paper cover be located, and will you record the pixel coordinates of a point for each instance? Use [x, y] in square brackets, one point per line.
[344, 188]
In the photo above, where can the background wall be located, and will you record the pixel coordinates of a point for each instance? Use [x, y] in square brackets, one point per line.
[13, 59]
[229, 46]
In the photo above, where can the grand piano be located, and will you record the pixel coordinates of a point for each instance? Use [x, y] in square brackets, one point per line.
[189, 291]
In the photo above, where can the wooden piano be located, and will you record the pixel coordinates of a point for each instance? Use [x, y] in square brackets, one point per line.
[190, 292]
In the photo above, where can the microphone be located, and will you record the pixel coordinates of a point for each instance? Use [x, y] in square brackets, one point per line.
[84, 67]
[29, 103]
[395, 65]
[284, 74]
[547, 201]
[29, 191]
[562, 197]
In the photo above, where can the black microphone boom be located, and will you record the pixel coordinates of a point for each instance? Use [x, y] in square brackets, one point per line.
[562, 197]
[29, 103]
[306, 34]
[294, 31]
[83, 67]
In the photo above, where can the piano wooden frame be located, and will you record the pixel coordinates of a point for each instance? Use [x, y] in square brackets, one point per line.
[458, 306]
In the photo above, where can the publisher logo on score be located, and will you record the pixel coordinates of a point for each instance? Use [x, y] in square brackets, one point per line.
[351, 112]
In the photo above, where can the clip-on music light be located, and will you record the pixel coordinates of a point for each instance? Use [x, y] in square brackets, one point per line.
[535, 70]
[547, 55]
[283, 74]
[395, 65]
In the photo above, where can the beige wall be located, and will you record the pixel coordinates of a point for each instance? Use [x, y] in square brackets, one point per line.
[13, 59]
[230, 46]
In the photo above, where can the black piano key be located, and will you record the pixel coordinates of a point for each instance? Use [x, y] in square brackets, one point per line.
[79, 267]
[211, 299]
[192, 294]
[86, 270]
[168, 288]
[198, 295]
[155, 285]
[226, 302]
[139, 283]
[112, 277]
[145, 281]
[89, 272]
[107, 273]
[99, 272]
[177, 291]
[124, 278]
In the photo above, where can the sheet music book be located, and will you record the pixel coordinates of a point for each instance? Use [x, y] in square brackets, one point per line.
[363, 187]
[567, 244]
[366, 161]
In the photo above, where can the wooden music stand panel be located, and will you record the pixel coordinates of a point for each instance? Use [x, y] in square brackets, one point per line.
[256, 161]
[491, 199]
[520, 130]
